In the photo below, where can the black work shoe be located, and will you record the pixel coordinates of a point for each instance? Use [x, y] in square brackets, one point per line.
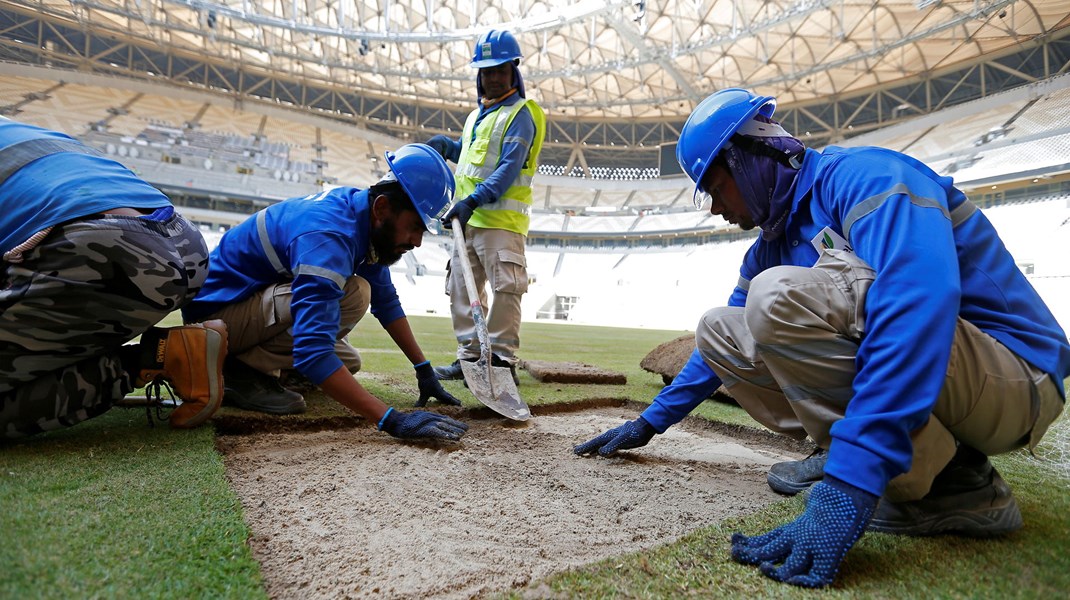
[793, 476]
[248, 388]
[295, 381]
[967, 498]
[497, 361]
[451, 372]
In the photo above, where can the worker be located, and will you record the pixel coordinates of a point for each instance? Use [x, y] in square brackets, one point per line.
[496, 158]
[878, 313]
[294, 279]
[94, 257]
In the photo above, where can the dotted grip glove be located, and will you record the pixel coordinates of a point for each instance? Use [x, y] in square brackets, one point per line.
[810, 549]
[421, 424]
[632, 434]
[430, 387]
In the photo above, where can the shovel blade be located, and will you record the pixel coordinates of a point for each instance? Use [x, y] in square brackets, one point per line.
[494, 387]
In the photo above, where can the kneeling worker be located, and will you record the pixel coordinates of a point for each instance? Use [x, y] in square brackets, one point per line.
[294, 279]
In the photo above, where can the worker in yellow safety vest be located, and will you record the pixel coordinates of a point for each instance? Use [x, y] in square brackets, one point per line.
[496, 159]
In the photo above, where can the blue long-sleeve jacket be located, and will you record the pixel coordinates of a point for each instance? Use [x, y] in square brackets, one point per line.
[515, 147]
[316, 242]
[62, 186]
[936, 258]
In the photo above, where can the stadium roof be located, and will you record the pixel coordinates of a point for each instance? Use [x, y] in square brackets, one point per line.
[614, 73]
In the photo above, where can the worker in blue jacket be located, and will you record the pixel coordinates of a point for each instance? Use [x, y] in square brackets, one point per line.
[879, 314]
[94, 257]
[294, 279]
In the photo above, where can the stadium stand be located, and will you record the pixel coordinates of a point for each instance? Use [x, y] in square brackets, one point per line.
[602, 251]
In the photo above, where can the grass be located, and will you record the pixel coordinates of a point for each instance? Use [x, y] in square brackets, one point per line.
[112, 508]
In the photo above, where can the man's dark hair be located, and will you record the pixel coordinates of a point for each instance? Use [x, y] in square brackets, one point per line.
[399, 200]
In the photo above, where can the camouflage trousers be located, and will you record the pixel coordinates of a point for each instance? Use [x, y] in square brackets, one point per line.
[86, 289]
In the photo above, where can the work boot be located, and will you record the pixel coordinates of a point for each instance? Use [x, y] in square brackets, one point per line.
[968, 498]
[251, 389]
[189, 359]
[793, 476]
[450, 372]
[295, 381]
[497, 361]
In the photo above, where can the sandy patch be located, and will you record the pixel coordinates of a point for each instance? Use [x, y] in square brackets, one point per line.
[354, 513]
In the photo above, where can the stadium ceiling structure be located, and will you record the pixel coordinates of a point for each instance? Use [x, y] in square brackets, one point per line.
[617, 77]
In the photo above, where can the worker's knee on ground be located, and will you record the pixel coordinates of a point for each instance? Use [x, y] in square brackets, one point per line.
[510, 273]
[356, 299]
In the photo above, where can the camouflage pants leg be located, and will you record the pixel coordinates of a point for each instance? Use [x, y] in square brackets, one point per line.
[65, 311]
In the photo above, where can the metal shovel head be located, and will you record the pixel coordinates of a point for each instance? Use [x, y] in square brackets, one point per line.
[505, 400]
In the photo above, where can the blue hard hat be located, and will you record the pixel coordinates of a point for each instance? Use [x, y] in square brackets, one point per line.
[426, 179]
[494, 48]
[711, 125]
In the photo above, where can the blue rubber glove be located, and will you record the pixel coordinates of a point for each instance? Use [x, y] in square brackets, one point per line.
[421, 425]
[430, 387]
[462, 210]
[632, 434]
[441, 144]
[810, 549]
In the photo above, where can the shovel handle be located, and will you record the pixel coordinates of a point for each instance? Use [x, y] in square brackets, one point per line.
[461, 250]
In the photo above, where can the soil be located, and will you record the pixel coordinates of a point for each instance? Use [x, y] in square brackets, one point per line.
[354, 513]
[572, 372]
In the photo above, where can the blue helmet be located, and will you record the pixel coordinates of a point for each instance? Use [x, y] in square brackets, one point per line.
[426, 179]
[494, 48]
[711, 125]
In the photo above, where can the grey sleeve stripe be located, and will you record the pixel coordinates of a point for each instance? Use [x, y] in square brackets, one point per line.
[963, 211]
[265, 244]
[321, 272]
[20, 154]
[516, 139]
[872, 203]
[743, 284]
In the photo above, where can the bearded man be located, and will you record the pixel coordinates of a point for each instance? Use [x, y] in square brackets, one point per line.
[294, 279]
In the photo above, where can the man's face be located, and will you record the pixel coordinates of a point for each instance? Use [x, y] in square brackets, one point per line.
[497, 80]
[396, 232]
[726, 199]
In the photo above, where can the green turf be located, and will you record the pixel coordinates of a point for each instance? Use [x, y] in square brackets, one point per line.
[112, 508]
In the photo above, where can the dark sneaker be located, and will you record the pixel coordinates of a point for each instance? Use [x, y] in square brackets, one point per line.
[245, 387]
[967, 498]
[451, 372]
[793, 476]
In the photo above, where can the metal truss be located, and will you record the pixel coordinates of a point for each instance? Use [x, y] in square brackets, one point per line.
[575, 145]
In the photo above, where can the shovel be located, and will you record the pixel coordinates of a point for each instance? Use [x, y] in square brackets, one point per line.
[493, 386]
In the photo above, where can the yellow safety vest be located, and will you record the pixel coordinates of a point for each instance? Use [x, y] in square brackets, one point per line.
[480, 157]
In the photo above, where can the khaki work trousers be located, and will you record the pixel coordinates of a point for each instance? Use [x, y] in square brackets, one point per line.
[799, 333]
[497, 257]
[260, 328]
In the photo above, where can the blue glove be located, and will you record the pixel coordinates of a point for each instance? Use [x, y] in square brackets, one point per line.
[421, 424]
[632, 434]
[811, 548]
[462, 210]
[430, 387]
[441, 144]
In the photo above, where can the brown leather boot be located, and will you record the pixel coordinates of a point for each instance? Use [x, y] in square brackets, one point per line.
[190, 359]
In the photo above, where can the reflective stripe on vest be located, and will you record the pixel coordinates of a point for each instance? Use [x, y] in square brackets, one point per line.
[480, 157]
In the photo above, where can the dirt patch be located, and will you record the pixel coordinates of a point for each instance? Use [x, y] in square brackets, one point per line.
[572, 372]
[355, 513]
